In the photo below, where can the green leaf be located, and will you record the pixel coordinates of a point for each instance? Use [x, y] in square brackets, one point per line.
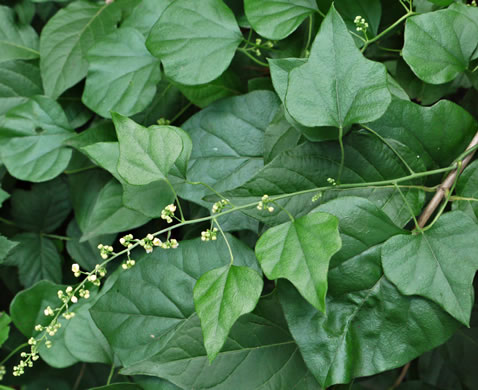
[85, 253]
[279, 136]
[221, 296]
[18, 80]
[136, 321]
[337, 86]
[228, 84]
[43, 208]
[276, 19]
[100, 210]
[36, 258]
[362, 332]
[145, 15]
[16, 42]
[300, 251]
[65, 40]
[467, 187]
[438, 134]
[5, 247]
[221, 158]
[146, 154]
[309, 165]
[31, 138]
[258, 354]
[4, 327]
[439, 45]
[122, 74]
[206, 31]
[149, 199]
[425, 264]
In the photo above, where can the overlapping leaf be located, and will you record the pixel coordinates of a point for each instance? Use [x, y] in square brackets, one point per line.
[206, 31]
[337, 86]
[439, 263]
[366, 314]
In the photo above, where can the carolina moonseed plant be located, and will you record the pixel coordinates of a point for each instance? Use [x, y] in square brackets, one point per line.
[243, 195]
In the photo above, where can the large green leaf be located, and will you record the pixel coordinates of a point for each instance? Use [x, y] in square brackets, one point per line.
[221, 296]
[206, 31]
[309, 165]
[337, 86]
[122, 74]
[18, 80]
[65, 40]
[276, 19]
[222, 158]
[146, 154]
[43, 208]
[369, 326]
[439, 45]
[279, 136]
[4, 327]
[259, 354]
[5, 247]
[136, 321]
[36, 257]
[145, 15]
[438, 134]
[149, 199]
[100, 210]
[467, 187]
[300, 251]
[17, 42]
[425, 263]
[31, 137]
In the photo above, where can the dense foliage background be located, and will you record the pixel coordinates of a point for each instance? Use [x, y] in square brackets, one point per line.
[237, 194]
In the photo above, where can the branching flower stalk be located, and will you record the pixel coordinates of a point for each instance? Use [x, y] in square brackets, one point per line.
[71, 295]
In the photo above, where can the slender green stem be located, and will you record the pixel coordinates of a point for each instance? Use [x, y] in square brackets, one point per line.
[285, 210]
[387, 30]
[79, 377]
[56, 237]
[404, 5]
[456, 197]
[110, 376]
[73, 171]
[390, 147]
[225, 239]
[259, 62]
[7, 221]
[466, 153]
[181, 112]
[358, 36]
[417, 226]
[177, 200]
[474, 69]
[309, 35]
[342, 154]
[12, 353]
[209, 188]
[320, 12]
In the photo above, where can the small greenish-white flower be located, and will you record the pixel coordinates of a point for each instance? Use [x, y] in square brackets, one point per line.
[68, 315]
[48, 311]
[48, 344]
[361, 24]
[69, 289]
[73, 299]
[126, 241]
[209, 234]
[332, 181]
[105, 250]
[83, 293]
[317, 196]
[168, 212]
[3, 371]
[258, 41]
[38, 328]
[263, 204]
[219, 206]
[92, 277]
[60, 294]
[128, 264]
[32, 341]
[75, 268]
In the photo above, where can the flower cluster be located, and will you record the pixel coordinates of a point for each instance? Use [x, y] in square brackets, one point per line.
[219, 206]
[105, 251]
[209, 234]
[168, 213]
[3, 371]
[361, 24]
[331, 181]
[128, 264]
[127, 241]
[317, 196]
[263, 204]
[149, 242]
[172, 243]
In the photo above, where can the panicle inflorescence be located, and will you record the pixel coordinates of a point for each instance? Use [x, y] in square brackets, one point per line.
[168, 213]
[361, 24]
[219, 206]
[209, 234]
[264, 204]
